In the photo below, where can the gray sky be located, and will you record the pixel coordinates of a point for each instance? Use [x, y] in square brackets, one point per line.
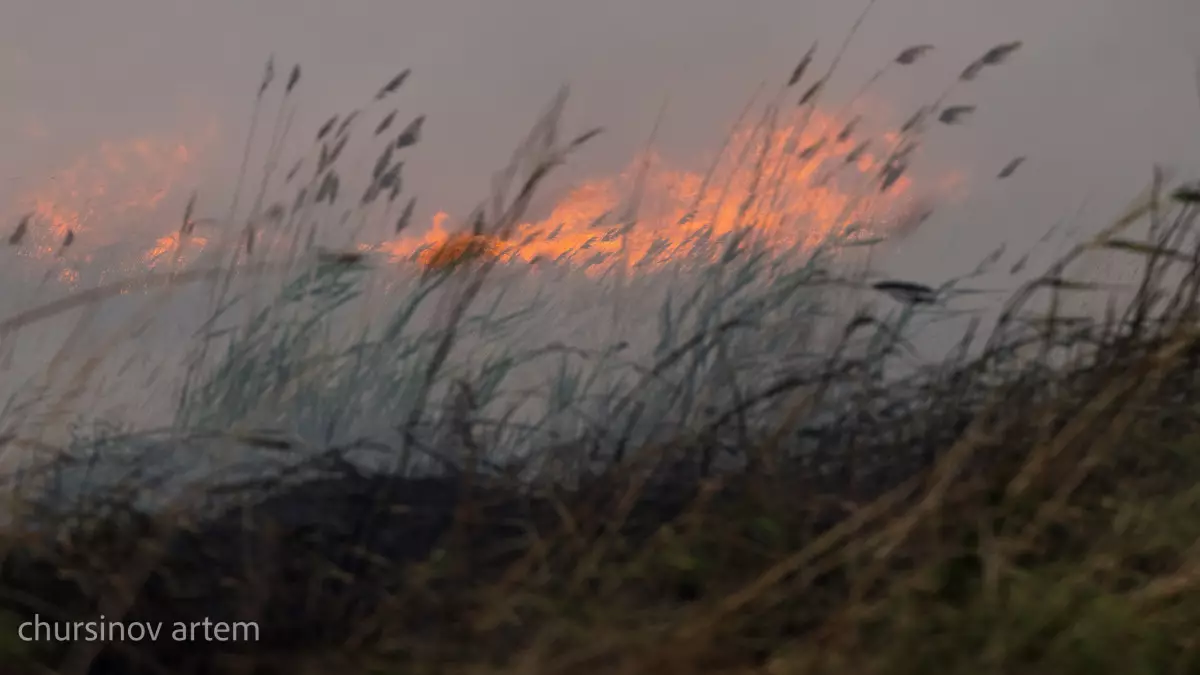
[1102, 89]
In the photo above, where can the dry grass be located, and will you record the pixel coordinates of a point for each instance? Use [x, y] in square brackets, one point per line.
[1029, 504]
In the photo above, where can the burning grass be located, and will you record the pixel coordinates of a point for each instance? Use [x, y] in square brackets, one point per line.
[411, 477]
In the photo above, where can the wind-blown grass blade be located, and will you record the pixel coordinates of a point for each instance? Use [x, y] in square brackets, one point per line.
[955, 114]
[405, 218]
[411, 133]
[21, 230]
[393, 84]
[385, 123]
[858, 151]
[390, 179]
[268, 75]
[187, 225]
[328, 158]
[812, 150]
[293, 79]
[907, 292]
[328, 189]
[915, 120]
[382, 162]
[1146, 249]
[345, 125]
[291, 174]
[912, 54]
[805, 62]
[301, 198]
[812, 92]
[1069, 284]
[326, 128]
[275, 213]
[1000, 53]
[344, 258]
[1010, 168]
[994, 56]
[891, 174]
[848, 129]
[265, 440]
[585, 137]
[1187, 195]
[1019, 265]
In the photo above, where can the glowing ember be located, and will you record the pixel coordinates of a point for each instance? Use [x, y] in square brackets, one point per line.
[170, 245]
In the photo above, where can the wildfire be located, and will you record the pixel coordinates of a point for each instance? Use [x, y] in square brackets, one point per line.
[791, 188]
[101, 195]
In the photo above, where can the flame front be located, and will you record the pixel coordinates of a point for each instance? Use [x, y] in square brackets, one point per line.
[120, 181]
[791, 188]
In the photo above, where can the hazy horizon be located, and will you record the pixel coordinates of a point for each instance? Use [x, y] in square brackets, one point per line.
[140, 102]
[1100, 91]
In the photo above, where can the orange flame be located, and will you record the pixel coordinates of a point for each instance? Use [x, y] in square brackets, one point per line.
[172, 243]
[792, 187]
[765, 182]
[119, 183]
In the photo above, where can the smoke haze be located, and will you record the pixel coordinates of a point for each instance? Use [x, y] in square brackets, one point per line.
[1100, 92]
[1103, 88]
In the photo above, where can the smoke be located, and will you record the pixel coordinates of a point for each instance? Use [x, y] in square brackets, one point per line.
[1102, 90]
[1099, 93]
